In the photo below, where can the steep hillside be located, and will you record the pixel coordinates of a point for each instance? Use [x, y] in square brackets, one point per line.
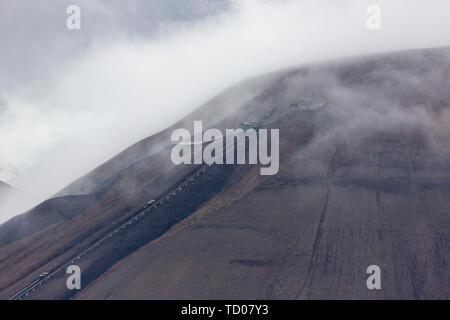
[363, 180]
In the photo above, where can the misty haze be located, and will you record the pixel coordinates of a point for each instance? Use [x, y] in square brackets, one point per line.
[98, 201]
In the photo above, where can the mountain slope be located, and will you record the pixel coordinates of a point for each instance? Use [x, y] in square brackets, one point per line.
[363, 181]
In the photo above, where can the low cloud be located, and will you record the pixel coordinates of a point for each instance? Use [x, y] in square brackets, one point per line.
[121, 87]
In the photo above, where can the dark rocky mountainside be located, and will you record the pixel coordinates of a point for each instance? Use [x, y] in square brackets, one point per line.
[363, 180]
